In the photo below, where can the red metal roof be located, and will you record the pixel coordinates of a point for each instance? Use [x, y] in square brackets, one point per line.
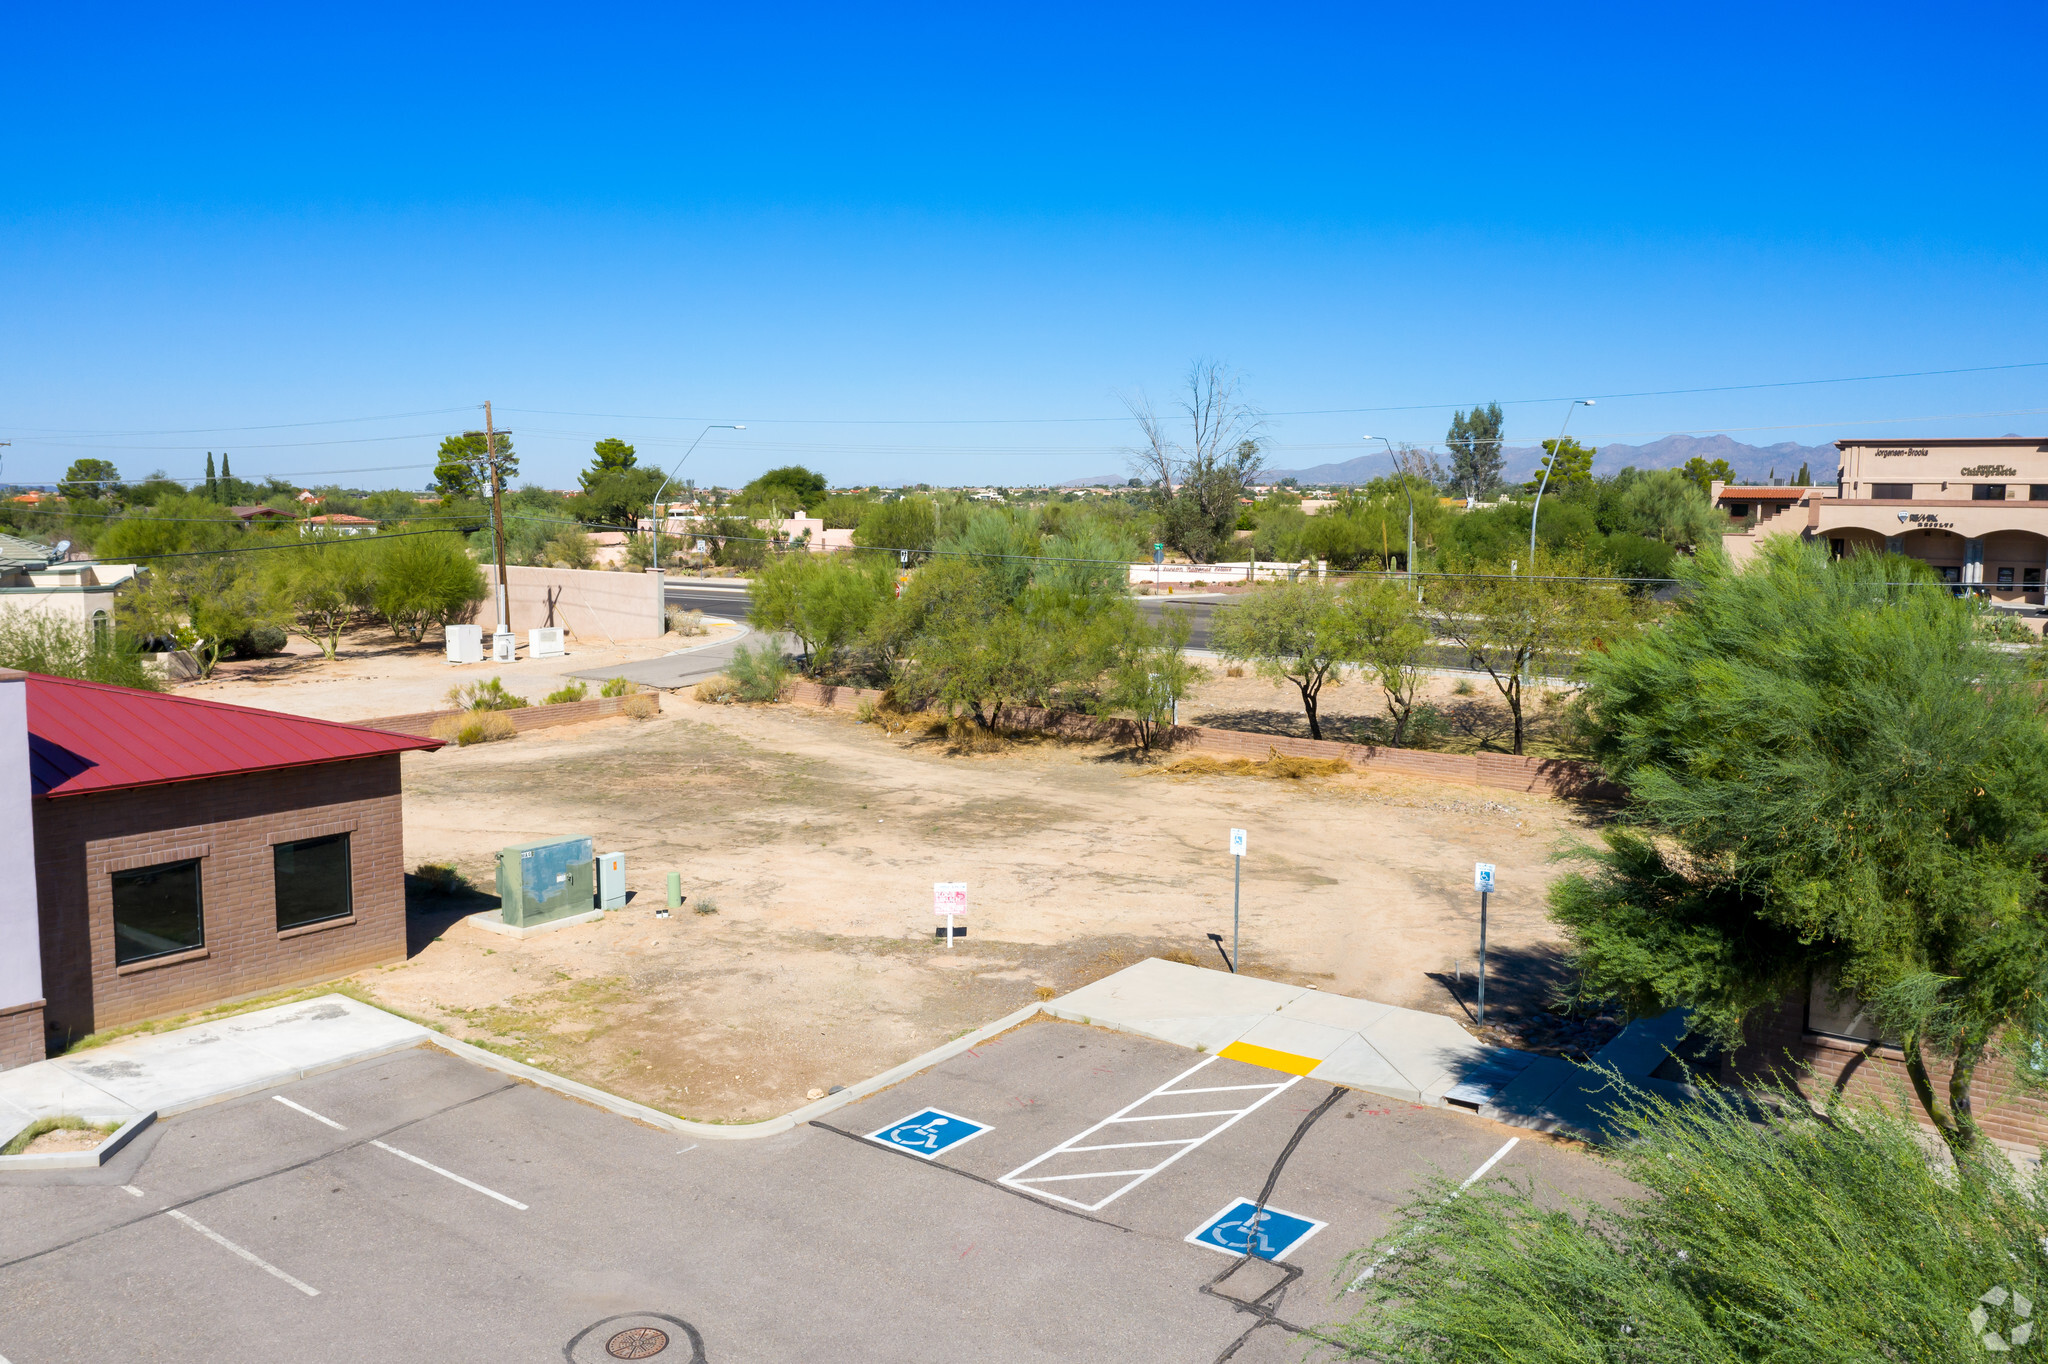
[87, 736]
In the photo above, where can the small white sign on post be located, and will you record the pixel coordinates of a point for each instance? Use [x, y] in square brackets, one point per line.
[1482, 877]
[949, 898]
[1237, 843]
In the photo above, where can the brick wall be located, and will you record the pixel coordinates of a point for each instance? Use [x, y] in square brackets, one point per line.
[230, 824]
[527, 717]
[1777, 1045]
[21, 1034]
[1503, 771]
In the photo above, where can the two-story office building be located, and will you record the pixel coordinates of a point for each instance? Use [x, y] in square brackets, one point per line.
[1975, 510]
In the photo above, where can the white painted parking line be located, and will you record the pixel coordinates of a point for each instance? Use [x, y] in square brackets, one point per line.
[1129, 1114]
[1470, 1180]
[268, 1268]
[130, 1188]
[450, 1174]
[301, 1108]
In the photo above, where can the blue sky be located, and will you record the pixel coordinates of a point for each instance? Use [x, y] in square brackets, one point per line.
[941, 245]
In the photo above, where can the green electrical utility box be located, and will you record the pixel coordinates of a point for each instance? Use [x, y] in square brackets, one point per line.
[550, 878]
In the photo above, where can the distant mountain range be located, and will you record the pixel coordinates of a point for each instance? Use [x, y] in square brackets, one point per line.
[1752, 463]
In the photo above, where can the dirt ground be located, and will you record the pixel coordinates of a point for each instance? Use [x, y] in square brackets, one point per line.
[817, 839]
[1470, 714]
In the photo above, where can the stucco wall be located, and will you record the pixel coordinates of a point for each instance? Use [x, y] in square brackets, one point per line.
[21, 969]
[589, 603]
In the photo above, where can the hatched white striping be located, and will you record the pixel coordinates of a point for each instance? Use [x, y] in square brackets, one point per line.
[1072, 1145]
[268, 1268]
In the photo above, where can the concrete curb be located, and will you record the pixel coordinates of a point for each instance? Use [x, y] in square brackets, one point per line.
[80, 1160]
[242, 1091]
[769, 1127]
[745, 631]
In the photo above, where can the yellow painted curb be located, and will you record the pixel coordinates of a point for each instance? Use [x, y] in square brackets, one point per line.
[1285, 1061]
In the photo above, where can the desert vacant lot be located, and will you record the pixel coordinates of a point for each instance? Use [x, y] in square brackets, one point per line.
[818, 839]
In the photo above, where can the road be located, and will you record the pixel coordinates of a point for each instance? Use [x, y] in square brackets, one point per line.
[415, 1207]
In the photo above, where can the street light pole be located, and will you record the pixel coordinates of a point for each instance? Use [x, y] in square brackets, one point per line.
[1403, 473]
[1556, 453]
[655, 509]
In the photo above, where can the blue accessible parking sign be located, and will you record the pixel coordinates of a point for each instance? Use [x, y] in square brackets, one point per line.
[1268, 1232]
[929, 1131]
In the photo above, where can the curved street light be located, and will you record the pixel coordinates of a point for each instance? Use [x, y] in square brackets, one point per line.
[1556, 453]
[1409, 563]
[655, 509]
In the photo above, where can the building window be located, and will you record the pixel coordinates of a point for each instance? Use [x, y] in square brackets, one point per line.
[2005, 577]
[102, 630]
[2031, 578]
[312, 881]
[1950, 574]
[1838, 547]
[157, 911]
[1891, 492]
[1738, 508]
[1988, 492]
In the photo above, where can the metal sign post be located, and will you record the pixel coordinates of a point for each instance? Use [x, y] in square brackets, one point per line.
[1482, 881]
[1236, 883]
[949, 898]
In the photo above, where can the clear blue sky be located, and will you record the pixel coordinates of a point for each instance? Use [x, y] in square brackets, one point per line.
[867, 231]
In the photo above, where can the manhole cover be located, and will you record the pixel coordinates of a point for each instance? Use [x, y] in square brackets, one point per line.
[637, 1342]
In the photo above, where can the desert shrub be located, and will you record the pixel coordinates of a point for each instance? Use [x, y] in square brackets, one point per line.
[258, 641]
[424, 580]
[686, 622]
[707, 905]
[718, 690]
[473, 727]
[571, 548]
[574, 691]
[865, 713]
[758, 674]
[618, 686]
[489, 695]
[36, 643]
[440, 878]
[641, 705]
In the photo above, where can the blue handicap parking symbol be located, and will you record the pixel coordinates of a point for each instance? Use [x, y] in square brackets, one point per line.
[928, 1132]
[1269, 1233]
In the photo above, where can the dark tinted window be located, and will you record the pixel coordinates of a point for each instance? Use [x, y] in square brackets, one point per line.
[312, 880]
[1738, 508]
[156, 911]
[1891, 492]
[2037, 492]
[1988, 492]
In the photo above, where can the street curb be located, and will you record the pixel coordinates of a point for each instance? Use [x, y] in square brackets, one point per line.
[745, 631]
[768, 1127]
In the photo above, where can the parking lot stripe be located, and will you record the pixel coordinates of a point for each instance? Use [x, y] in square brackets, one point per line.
[1470, 1180]
[268, 1268]
[301, 1108]
[450, 1174]
[1016, 1178]
[130, 1188]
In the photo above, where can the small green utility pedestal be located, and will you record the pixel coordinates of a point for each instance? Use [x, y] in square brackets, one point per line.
[675, 891]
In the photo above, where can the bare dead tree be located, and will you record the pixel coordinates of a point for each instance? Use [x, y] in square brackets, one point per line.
[1199, 483]
[1157, 460]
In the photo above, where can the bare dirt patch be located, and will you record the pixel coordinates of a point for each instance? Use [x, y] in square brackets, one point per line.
[1467, 714]
[819, 839]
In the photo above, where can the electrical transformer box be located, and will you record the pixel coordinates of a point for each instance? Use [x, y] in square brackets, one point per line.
[611, 881]
[550, 878]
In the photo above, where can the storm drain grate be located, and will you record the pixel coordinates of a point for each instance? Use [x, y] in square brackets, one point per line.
[637, 1342]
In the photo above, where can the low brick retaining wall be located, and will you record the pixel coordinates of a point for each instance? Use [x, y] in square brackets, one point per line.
[1502, 771]
[527, 717]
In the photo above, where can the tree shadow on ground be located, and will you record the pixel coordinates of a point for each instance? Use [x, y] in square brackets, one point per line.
[432, 909]
[1529, 1001]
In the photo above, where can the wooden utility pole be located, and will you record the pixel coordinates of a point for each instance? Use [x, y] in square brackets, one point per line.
[497, 525]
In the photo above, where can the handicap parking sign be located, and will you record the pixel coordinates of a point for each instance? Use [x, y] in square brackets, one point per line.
[929, 1131]
[1268, 1232]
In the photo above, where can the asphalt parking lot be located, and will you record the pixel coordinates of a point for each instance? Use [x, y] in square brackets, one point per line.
[1036, 1200]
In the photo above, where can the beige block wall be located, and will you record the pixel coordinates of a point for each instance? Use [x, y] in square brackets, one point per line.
[589, 603]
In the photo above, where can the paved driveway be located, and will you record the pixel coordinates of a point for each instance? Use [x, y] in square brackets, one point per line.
[416, 1208]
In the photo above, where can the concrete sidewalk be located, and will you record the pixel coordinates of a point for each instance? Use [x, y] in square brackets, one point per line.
[678, 669]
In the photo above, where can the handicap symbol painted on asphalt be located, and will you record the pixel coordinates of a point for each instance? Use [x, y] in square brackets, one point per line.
[1269, 1232]
[929, 1131]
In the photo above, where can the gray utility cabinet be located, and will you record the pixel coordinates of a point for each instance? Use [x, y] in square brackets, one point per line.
[550, 878]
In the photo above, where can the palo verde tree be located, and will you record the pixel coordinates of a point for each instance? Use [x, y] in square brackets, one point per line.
[1290, 632]
[1831, 778]
[1387, 639]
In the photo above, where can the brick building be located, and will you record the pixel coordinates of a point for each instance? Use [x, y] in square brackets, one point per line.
[185, 851]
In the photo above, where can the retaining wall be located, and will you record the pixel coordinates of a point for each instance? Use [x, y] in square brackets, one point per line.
[527, 717]
[590, 604]
[1502, 771]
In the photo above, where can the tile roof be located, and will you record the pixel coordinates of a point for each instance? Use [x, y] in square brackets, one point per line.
[88, 736]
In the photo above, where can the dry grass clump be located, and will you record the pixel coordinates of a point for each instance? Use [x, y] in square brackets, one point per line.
[641, 705]
[718, 690]
[475, 727]
[63, 1122]
[1276, 766]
